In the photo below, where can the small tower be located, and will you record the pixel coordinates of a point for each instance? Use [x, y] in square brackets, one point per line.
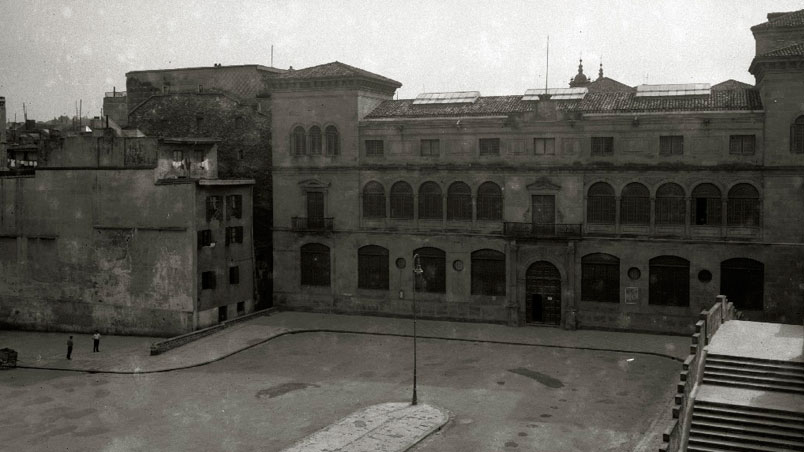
[600, 72]
[580, 78]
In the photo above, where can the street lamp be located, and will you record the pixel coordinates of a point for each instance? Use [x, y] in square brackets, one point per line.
[417, 271]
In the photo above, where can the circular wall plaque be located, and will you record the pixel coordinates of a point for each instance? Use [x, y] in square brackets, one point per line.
[634, 273]
[704, 276]
[400, 263]
[457, 264]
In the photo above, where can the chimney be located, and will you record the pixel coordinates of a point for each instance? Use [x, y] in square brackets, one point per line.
[2, 121]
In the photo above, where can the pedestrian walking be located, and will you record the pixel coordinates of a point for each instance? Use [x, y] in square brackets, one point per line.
[69, 347]
[95, 341]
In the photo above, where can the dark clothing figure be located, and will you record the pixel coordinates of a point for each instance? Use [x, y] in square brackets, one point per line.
[69, 347]
[95, 341]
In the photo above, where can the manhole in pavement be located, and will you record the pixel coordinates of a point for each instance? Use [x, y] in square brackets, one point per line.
[538, 376]
[278, 390]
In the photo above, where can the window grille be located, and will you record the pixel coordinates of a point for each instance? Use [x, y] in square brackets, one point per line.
[544, 146]
[797, 136]
[434, 267]
[706, 205]
[430, 206]
[635, 204]
[459, 202]
[315, 140]
[669, 281]
[401, 201]
[603, 146]
[374, 148]
[333, 140]
[430, 148]
[488, 273]
[374, 200]
[489, 202]
[742, 144]
[298, 141]
[742, 207]
[489, 146]
[315, 265]
[372, 267]
[600, 278]
[670, 205]
[671, 145]
[600, 204]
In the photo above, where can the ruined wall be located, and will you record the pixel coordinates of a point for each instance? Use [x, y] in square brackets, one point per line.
[105, 249]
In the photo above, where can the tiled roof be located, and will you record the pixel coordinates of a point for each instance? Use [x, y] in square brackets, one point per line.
[793, 50]
[607, 85]
[791, 19]
[335, 70]
[732, 84]
[605, 102]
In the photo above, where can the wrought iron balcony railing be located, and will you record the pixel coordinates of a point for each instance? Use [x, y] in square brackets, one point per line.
[311, 224]
[542, 230]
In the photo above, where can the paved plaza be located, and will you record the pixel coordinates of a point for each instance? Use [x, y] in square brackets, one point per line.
[264, 385]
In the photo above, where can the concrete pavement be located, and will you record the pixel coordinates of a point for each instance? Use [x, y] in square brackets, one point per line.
[131, 354]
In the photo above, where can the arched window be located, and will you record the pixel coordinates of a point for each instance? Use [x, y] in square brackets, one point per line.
[372, 267]
[600, 278]
[333, 140]
[600, 204]
[670, 205]
[374, 200]
[459, 202]
[298, 141]
[706, 205]
[797, 136]
[401, 201]
[488, 272]
[434, 267]
[742, 280]
[489, 202]
[315, 265]
[742, 208]
[669, 283]
[315, 140]
[430, 201]
[635, 204]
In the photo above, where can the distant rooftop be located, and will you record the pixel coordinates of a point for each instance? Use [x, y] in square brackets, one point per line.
[202, 68]
[782, 20]
[335, 69]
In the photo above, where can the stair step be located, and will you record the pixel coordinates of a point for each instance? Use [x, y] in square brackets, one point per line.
[755, 370]
[749, 422]
[784, 381]
[749, 385]
[753, 412]
[742, 361]
[704, 449]
[748, 430]
[746, 438]
[724, 445]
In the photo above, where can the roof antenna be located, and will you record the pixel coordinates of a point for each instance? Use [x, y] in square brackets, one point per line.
[272, 55]
[547, 70]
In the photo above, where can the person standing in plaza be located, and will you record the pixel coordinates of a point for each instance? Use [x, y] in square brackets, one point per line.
[95, 341]
[69, 347]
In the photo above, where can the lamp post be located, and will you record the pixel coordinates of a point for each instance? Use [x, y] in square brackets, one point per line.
[417, 271]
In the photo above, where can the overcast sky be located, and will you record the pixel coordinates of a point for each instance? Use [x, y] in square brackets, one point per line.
[53, 53]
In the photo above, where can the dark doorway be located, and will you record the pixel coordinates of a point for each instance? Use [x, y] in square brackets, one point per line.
[221, 313]
[543, 294]
[742, 281]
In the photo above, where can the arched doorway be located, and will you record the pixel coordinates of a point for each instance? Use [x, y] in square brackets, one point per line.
[742, 281]
[543, 292]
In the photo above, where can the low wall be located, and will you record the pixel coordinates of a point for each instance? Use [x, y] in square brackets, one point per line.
[177, 341]
[676, 435]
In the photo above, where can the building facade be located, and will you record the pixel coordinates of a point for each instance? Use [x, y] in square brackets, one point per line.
[127, 235]
[599, 205]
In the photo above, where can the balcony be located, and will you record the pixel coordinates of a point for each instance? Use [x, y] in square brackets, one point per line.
[311, 224]
[543, 231]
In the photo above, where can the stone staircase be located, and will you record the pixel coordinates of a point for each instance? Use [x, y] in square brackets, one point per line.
[752, 373]
[722, 426]
[718, 427]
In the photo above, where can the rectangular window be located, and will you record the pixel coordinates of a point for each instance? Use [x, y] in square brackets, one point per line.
[430, 148]
[178, 155]
[234, 234]
[489, 146]
[199, 121]
[208, 280]
[544, 146]
[204, 238]
[671, 145]
[742, 144]
[234, 206]
[374, 148]
[602, 145]
[234, 275]
[214, 208]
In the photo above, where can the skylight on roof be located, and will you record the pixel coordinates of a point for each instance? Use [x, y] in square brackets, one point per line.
[683, 89]
[556, 93]
[459, 97]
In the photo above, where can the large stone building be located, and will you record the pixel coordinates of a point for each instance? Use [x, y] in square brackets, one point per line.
[230, 103]
[600, 205]
[122, 233]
